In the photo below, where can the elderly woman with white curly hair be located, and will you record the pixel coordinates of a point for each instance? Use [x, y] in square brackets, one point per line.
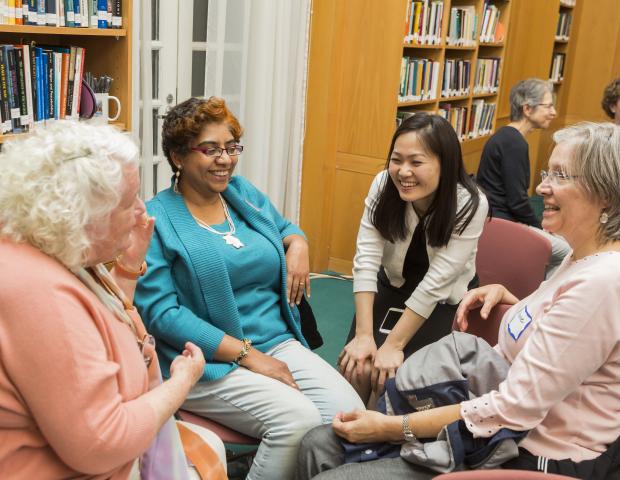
[80, 388]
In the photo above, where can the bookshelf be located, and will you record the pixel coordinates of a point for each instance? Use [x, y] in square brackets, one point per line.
[108, 52]
[466, 59]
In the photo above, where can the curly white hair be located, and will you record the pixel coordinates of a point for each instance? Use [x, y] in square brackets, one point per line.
[57, 181]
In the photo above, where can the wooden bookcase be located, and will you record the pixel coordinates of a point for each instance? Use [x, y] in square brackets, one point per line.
[443, 51]
[108, 52]
[562, 45]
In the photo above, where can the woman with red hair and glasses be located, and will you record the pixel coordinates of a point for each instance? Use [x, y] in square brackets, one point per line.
[226, 272]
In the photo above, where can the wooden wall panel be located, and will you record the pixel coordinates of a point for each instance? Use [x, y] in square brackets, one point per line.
[354, 66]
[348, 209]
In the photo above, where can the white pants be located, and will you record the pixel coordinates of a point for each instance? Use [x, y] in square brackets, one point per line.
[559, 249]
[207, 436]
[278, 414]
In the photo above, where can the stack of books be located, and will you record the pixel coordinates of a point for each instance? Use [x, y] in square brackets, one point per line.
[481, 118]
[457, 116]
[456, 76]
[487, 75]
[462, 29]
[38, 83]
[423, 22]
[62, 13]
[418, 79]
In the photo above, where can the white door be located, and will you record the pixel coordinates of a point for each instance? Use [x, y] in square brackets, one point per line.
[197, 50]
[164, 54]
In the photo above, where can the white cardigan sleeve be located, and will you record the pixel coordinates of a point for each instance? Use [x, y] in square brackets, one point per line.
[370, 243]
[447, 265]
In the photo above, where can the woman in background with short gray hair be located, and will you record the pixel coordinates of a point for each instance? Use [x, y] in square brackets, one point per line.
[504, 171]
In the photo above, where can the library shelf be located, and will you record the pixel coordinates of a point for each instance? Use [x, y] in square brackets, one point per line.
[413, 103]
[454, 99]
[81, 32]
[423, 46]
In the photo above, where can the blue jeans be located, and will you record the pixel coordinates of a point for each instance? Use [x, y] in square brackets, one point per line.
[265, 408]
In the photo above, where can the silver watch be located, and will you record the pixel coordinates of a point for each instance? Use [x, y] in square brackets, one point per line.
[409, 436]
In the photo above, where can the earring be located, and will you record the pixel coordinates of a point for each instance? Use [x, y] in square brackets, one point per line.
[177, 174]
[604, 218]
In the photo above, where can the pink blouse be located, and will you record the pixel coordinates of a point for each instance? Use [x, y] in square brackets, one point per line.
[563, 343]
[71, 376]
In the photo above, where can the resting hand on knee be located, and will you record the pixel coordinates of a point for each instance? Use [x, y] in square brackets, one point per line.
[355, 354]
[360, 426]
[258, 362]
[387, 361]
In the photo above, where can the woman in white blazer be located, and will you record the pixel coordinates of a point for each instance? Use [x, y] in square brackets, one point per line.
[416, 252]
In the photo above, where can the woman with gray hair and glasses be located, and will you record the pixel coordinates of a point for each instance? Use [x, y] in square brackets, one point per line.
[504, 171]
[561, 345]
[80, 388]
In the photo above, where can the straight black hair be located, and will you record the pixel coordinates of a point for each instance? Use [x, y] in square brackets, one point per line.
[441, 219]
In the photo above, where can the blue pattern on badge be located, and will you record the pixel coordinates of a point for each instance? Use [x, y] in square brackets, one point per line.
[519, 323]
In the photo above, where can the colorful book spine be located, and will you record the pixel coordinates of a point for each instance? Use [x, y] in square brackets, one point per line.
[28, 85]
[21, 87]
[102, 14]
[4, 94]
[117, 14]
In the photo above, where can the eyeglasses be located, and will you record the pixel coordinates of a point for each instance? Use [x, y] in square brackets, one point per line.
[147, 348]
[556, 177]
[546, 105]
[217, 152]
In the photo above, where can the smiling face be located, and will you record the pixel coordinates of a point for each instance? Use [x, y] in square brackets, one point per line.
[414, 170]
[205, 175]
[569, 211]
[540, 116]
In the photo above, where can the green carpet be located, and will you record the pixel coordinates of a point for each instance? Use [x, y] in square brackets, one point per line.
[333, 307]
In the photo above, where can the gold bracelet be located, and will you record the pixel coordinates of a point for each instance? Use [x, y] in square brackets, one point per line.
[247, 344]
[125, 272]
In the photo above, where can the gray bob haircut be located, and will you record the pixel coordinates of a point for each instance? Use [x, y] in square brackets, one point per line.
[527, 92]
[596, 162]
[60, 180]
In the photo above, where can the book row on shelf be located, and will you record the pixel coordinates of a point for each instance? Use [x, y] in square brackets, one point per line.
[462, 27]
[424, 19]
[493, 29]
[456, 76]
[62, 13]
[487, 75]
[419, 78]
[568, 3]
[423, 22]
[557, 67]
[478, 124]
[38, 83]
[562, 31]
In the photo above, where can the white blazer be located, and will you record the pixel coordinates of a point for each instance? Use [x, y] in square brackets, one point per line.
[450, 269]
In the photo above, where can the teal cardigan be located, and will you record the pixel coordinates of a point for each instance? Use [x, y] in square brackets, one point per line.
[185, 294]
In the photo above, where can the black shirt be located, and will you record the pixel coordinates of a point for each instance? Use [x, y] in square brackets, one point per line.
[504, 175]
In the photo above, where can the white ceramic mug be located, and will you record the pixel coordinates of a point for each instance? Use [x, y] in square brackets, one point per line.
[102, 114]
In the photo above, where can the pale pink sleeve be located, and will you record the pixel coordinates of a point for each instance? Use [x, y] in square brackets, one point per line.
[572, 341]
[58, 364]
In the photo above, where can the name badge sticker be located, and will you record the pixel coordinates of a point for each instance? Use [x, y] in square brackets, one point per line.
[519, 323]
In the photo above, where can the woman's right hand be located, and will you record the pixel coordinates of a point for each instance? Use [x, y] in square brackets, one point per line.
[355, 354]
[190, 363]
[487, 297]
[258, 362]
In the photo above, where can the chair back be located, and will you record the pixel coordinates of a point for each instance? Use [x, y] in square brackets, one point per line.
[487, 329]
[512, 255]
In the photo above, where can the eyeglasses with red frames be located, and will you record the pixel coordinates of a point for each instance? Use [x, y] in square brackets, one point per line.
[217, 152]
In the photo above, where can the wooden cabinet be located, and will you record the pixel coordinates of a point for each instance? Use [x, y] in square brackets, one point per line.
[108, 52]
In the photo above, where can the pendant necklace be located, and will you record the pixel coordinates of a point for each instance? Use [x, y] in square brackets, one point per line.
[229, 236]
